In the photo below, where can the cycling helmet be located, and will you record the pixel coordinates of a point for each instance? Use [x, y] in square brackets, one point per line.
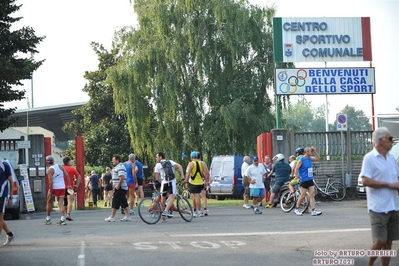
[300, 151]
[278, 157]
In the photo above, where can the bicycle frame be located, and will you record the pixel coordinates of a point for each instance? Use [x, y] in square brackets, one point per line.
[324, 190]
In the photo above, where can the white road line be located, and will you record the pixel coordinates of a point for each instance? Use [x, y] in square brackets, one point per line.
[82, 257]
[275, 233]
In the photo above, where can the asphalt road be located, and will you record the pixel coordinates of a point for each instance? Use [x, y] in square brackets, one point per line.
[228, 236]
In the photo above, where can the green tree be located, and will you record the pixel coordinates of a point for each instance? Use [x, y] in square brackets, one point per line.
[357, 119]
[299, 116]
[14, 67]
[105, 132]
[204, 66]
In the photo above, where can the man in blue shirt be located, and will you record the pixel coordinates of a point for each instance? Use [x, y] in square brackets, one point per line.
[139, 176]
[282, 172]
[131, 182]
[95, 186]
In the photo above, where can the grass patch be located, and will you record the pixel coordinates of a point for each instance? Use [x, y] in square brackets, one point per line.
[211, 203]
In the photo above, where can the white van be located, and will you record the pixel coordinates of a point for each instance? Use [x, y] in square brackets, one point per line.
[225, 177]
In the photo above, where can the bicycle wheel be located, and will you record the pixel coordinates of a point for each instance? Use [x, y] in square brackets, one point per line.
[336, 191]
[287, 203]
[184, 208]
[150, 211]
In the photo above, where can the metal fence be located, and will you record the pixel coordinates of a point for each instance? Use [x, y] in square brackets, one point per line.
[351, 143]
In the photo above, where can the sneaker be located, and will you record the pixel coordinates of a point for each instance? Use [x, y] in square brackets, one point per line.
[110, 219]
[257, 211]
[206, 212]
[165, 213]
[132, 212]
[200, 214]
[105, 204]
[316, 213]
[194, 215]
[246, 206]
[9, 239]
[269, 206]
[126, 219]
[60, 222]
[47, 222]
[298, 212]
[69, 218]
[137, 204]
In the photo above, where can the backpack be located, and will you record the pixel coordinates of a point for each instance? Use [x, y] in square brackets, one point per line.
[168, 169]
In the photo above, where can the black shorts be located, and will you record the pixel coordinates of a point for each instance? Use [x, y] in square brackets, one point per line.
[108, 187]
[119, 199]
[195, 189]
[307, 184]
[66, 198]
[3, 203]
[140, 181]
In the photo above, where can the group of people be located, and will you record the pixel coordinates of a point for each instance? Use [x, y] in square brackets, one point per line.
[124, 186]
[196, 180]
[380, 175]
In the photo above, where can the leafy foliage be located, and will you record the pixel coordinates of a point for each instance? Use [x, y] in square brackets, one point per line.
[104, 131]
[301, 117]
[13, 67]
[194, 76]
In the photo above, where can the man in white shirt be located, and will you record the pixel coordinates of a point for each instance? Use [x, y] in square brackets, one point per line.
[245, 182]
[256, 174]
[380, 175]
[167, 186]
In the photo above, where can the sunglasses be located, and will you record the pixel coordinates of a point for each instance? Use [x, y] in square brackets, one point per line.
[390, 138]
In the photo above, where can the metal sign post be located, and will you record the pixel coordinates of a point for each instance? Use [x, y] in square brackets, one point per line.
[342, 124]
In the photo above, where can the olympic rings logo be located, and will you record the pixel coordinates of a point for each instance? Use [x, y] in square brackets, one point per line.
[293, 82]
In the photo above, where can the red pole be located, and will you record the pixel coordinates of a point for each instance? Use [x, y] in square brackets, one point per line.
[80, 167]
[372, 107]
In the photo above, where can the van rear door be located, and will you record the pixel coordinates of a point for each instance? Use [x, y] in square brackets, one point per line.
[227, 173]
[215, 174]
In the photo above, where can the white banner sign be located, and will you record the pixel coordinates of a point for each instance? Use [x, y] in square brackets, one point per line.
[30, 207]
[318, 81]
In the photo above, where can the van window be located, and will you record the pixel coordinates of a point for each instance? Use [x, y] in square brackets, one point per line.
[215, 168]
[228, 168]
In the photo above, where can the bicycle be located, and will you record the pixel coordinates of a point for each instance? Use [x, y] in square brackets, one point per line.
[151, 209]
[335, 189]
[289, 199]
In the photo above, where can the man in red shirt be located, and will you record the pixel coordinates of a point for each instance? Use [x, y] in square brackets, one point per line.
[73, 175]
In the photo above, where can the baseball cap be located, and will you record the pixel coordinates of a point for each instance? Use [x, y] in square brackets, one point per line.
[256, 159]
[49, 158]
[132, 156]
[194, 154]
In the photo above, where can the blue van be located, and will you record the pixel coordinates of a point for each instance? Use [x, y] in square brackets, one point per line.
[225, 177]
